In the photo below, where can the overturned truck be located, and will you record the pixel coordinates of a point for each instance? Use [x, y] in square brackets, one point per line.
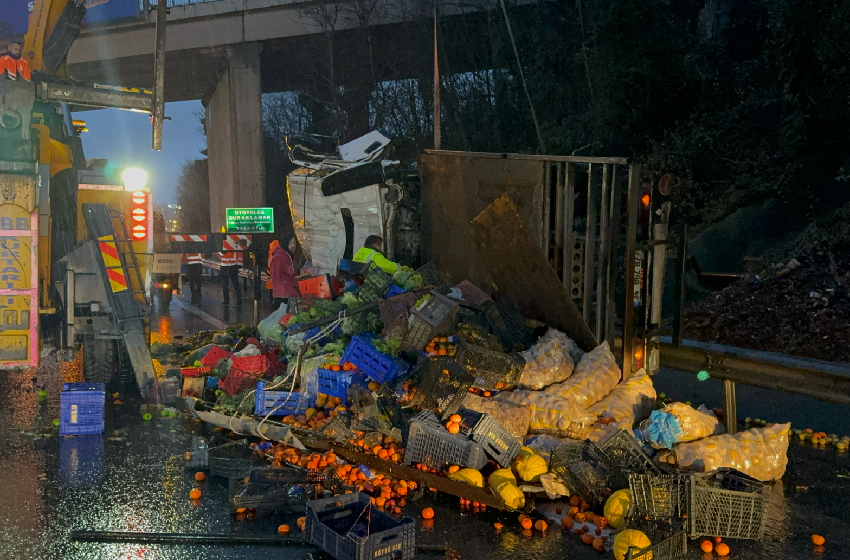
[588, 219]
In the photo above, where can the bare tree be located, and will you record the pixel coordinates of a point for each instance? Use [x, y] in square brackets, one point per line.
[193, 195]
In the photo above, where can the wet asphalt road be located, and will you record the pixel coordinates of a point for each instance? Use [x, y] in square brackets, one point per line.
[133, 479]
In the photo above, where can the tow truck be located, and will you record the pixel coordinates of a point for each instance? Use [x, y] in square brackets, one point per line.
[74, 246]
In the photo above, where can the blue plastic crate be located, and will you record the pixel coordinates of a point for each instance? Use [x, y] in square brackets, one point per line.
[351, 267]
[330, 336]
[84, 387]
[290, 403]
[394, 291]
[377, 365]
[81, 461]
[81, 409]
[336, 383]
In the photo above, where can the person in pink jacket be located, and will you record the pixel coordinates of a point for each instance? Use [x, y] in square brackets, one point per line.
[286, 266]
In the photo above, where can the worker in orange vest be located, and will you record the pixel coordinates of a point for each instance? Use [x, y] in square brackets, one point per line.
[194, 263]
[231, 262]
[13, 64]
[272, 246]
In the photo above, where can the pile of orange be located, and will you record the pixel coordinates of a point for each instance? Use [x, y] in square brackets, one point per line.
[579, 519]
[819, 438]
[311, 419]
[282, 455]
[453, 425]
[388, 450]
[336, 366]
[476, 506]
[440, 346]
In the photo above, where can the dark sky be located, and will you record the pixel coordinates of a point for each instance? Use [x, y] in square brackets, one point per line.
[124, 138]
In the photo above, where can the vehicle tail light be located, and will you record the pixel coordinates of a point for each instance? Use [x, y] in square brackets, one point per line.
[638, 354]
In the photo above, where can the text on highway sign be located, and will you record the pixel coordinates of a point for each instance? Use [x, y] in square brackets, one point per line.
[250, 220]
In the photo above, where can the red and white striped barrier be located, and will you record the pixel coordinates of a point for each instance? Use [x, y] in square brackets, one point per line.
[244, 272]
[233, 242]
[189, 238]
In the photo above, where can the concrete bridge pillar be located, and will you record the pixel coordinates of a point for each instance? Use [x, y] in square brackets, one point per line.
[234, 124]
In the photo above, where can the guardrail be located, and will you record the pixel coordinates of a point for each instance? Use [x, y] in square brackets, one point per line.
[825, 381]
[145, 5]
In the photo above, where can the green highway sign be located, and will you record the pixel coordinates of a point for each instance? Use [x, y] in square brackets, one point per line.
[250, 220]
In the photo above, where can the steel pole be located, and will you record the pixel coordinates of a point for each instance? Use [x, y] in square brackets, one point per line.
[257, 293]
[633, 209]
[437, 109]
[158, 112]
[731, 406]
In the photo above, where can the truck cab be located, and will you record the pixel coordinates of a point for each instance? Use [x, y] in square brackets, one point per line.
[337, 199]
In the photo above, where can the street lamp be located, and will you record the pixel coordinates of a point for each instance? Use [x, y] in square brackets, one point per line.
[134, 178]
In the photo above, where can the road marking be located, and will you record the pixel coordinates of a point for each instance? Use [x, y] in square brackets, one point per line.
[205, 316]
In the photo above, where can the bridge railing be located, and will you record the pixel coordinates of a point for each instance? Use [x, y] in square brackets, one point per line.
[145, 5]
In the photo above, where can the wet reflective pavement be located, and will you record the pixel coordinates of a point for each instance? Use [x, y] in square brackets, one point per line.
[132, 478]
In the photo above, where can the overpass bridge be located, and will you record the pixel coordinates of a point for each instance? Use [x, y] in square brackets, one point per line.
[227, 53]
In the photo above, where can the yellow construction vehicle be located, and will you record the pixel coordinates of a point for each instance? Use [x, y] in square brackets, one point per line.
[73, 245]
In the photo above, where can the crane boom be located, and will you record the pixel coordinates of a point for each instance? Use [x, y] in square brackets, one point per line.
[53, 27]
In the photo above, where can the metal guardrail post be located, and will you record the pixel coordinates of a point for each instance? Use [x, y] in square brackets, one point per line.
[679, 291]
[69, 309]
[590, 241]
[604, 257]
[257, 294]
[633, 210]
[731, 410]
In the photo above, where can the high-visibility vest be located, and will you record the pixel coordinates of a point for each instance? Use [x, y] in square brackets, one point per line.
[24, 69]
[194, 258]
[231, 258]
[272, 246]
[15, 68]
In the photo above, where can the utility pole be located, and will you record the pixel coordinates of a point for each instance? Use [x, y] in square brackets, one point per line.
[437, 123]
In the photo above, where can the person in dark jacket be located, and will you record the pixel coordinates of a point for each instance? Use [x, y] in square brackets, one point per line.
[286, 266]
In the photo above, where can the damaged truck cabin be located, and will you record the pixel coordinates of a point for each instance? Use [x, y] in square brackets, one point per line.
[339, 199]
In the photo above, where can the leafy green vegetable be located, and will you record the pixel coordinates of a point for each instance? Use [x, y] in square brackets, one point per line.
[161, 351]
[301, 318]
[200, 339]
[350, 300]
[389, 346]
[363, 322]
[422, 301]
[408, 279]
[241, 403]
[241, 330]
[336, 349]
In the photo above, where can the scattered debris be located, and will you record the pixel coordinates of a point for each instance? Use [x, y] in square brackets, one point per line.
[798, 308]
